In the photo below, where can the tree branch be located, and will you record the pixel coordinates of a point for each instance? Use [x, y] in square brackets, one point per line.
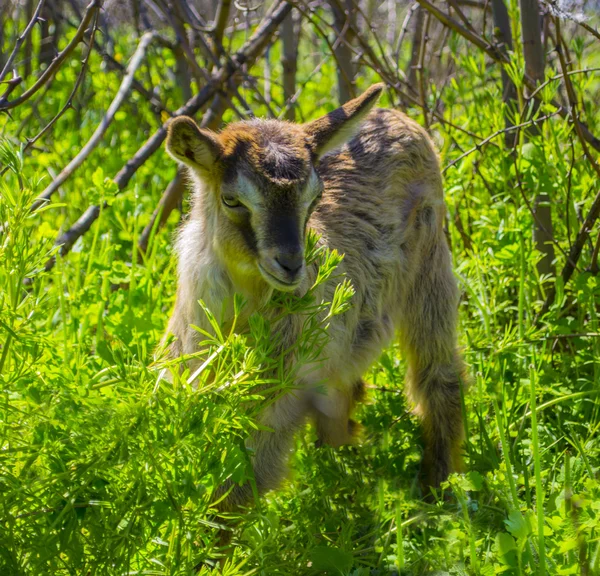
[500, 57]
[124, 89]
[21, 39]
[92, 8]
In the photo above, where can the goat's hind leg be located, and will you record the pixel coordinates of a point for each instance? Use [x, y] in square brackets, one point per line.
[435, 367]
[332, 411]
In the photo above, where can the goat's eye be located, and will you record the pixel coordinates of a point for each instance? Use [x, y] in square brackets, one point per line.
[314, 203]
[230, 201]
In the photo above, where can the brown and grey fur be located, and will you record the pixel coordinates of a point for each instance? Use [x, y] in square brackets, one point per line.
[382, 207]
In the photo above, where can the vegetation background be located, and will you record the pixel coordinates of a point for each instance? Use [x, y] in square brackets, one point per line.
[106, 469]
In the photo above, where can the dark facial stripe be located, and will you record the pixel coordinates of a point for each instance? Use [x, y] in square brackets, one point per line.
[245, 227]
[283, 230]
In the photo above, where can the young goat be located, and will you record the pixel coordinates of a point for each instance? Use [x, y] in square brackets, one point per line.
[368, 182]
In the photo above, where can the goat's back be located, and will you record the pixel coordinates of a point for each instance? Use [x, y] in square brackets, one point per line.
[383, 209]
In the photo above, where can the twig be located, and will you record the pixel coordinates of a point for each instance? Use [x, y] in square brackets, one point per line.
[594, 213]
[168, 202]
[594, 264]
[20, 40]
[467, 33]
[220, 23]
[92, 8]
[68, 104]
[499, 56]
[461, 15]
[421, 69]
[124, 89]
[137, 86]
[495, 135]
[409, 14]
[591, 30]
[558, 76]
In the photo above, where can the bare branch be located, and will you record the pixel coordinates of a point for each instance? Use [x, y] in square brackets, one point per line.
[92, 8]
[594, 213]
[68, 104]
[499, 56]
[20, 40]
[118, 100]
[220, 23]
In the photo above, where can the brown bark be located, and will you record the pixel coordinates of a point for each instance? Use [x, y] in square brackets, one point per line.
[344, 24]
[503, 35]
[531, 30]
[289, 61]
[415, 51]
[50, 28]
[533, 52]
[29, 7]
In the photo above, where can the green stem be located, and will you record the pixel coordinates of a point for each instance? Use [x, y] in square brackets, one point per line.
[539, 494]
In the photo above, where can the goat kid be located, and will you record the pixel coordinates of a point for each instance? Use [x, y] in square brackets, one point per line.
[368, 182]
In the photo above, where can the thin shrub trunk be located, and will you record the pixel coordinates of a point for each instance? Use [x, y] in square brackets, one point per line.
[415, 51]
[343, 11]
[503, 35]
[289, 61]
[533, 52]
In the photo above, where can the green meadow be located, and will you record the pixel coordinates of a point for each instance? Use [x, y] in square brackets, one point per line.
[106, 468]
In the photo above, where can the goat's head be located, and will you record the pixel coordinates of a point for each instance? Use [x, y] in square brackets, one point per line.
[266, 185]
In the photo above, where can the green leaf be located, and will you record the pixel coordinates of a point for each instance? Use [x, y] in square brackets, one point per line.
[332, 559]
[517, 525]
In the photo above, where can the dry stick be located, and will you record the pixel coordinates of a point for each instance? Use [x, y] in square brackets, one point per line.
[594, 213]
[591, 30]
[394, 81]
[91, 144]
[356, 6]
[137, 86]
[558, 76]
[68, 104]
[220, 23]
[92, 8]
[498, 56]
[594, 264]
[461, 15]
[409, 14]
[421, 69]
[247, 54]
[168, 202]
[200, 74]
[499, 133]
[534, 214]
[20, 40]
[289, 64]
[386, 75]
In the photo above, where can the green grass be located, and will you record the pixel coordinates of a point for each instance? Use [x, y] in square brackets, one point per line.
[106, 469]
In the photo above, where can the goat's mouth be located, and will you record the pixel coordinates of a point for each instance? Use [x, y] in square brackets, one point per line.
[282, 284]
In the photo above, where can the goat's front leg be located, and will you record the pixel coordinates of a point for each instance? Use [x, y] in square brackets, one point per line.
[269, 451]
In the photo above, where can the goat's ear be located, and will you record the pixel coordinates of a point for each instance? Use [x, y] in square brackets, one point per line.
[191, 145]
[337, 127]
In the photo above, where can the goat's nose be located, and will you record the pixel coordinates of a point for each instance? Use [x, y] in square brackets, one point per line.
[291, 262]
